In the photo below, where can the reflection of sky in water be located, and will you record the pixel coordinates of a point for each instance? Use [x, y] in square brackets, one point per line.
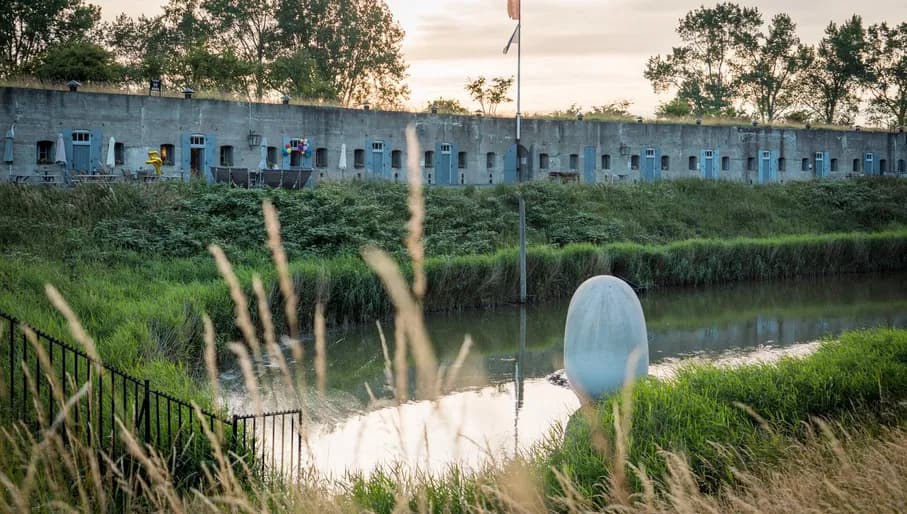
[478, 422]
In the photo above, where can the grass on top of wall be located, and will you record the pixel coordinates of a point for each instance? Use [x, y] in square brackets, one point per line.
[110, 224]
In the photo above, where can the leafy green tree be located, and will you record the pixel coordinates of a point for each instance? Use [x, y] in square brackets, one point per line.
[834, 70]
[85, 62]
[356, 44]
[489, 95]
[29, 28]
[702, 69]
[886, 77]
[676, 108]
[767, 76]
[139, 46]
[250, 28]
[446, 106]
[299, 76]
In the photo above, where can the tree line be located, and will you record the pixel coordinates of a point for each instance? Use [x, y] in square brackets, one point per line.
[346, 51]
[731, 63]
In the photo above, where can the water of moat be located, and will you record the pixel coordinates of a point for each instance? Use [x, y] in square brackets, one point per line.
[502, 401]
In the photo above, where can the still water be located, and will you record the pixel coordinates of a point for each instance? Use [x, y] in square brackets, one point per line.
[501, 402]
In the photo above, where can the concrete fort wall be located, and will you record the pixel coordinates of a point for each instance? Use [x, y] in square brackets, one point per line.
[196, 135]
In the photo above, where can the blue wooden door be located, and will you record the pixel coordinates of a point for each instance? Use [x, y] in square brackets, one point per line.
[185, 156]
[589, 165]
[445, 164]
[650, 166]
[709, 160]
[768, 167]
[378, 161]
[822, 165]
[869, 164]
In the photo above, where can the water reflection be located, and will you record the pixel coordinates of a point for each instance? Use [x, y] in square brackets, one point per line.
[514, 349]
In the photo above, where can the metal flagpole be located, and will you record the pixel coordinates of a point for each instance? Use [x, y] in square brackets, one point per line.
[519, 159]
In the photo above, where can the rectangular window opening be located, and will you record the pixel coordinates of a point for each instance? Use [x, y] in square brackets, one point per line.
[226, 156]
[574, 162]
[634, 162]
[429, 162]
[321, 158]
[168, 155]
[396, 159]
[359, 158]
[543, 161]
[490, 160]
[606, 162]
[665, 163]
[692, 163]
[45, 152]
[461, 160]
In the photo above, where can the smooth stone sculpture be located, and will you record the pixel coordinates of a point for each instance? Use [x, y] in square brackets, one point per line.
[605, 333]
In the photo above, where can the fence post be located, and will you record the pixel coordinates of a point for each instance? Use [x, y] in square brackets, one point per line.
[234, 430]
[12, 363]
[146, 411]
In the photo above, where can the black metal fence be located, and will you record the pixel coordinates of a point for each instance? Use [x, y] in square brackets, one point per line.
[42, 373]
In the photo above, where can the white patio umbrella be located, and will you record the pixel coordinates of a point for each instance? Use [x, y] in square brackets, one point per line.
[342, 162]
[60, 157]
[111, 155]
[263, 148]
[8, 145]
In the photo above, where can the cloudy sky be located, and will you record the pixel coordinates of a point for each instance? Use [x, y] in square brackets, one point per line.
[588, 52]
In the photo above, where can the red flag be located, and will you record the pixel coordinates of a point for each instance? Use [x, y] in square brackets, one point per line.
[513, 9]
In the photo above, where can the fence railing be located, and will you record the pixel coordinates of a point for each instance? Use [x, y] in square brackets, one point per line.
[42, 373]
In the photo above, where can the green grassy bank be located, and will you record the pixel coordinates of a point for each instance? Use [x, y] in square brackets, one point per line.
[859, 381]
[127, 223]
[147, 318]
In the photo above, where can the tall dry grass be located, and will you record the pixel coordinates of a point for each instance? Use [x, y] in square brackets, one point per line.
[63, 467]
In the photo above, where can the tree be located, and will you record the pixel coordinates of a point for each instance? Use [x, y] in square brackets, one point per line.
[886, 75]
[249, 27]
[299, 76]
[138, 45]
[28, 28]
[85, 62]
[356, 44]
[446, 106]
[767, 76]
[489, 95]
[676, 108]
[834, 71]
[702, 69]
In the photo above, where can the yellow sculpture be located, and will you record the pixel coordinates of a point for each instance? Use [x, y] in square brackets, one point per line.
[155, 160]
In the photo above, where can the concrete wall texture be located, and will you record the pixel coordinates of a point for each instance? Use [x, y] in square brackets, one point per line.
[200, 134]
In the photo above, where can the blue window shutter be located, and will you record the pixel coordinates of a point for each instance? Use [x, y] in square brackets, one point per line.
[510, 165]
[656, 166]
[717, 164]
[67, 143]
[308, 161]
[94, 152]
[702, 166]
[370, 159]
[285, 159]
[454, 166]
[185, 155]
[826, 164]
[773, 177]
[211, 156]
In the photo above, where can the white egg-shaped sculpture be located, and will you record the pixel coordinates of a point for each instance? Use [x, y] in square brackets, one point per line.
[605, 331]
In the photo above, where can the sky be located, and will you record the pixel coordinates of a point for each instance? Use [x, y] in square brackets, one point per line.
[588, 52]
